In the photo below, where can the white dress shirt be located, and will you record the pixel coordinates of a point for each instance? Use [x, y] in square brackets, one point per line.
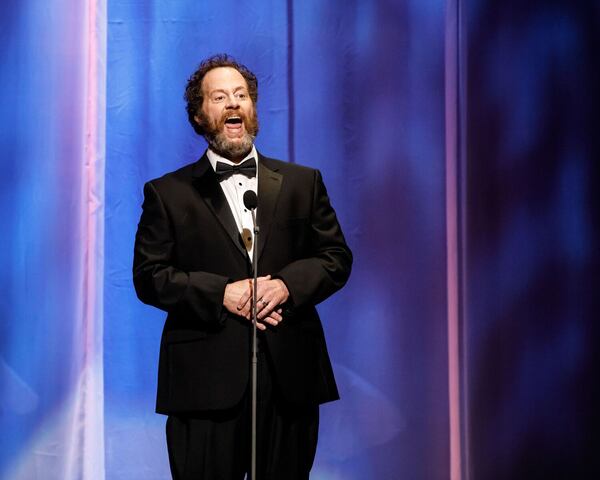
[234, 188]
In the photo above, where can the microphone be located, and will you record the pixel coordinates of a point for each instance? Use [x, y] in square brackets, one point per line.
[250, 200]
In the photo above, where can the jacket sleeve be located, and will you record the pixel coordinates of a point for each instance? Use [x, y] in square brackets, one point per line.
[312, 279]
[157, 281]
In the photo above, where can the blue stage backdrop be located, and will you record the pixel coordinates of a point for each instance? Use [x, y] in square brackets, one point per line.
[372, 120]
[456, 140]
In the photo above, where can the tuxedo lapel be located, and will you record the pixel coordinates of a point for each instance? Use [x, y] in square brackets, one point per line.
[207, 184]
[269, 185]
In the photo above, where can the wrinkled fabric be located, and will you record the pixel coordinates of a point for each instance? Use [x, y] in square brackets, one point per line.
[367, 92]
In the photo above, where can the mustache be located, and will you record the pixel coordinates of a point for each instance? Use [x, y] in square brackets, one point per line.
[227, 115]
[212, 128]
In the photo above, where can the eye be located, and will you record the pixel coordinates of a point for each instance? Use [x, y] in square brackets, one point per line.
[218, 98]
[241, 95]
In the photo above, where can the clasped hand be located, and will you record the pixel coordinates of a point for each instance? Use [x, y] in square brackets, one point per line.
[270, 294]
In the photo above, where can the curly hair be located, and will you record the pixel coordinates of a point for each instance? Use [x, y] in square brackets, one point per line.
[193, 90]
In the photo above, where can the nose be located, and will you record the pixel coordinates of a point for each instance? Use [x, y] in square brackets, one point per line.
[232, 102]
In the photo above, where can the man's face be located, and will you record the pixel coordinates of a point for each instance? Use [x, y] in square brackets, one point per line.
[227, 114]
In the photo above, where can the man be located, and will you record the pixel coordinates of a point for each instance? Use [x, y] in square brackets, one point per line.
[192, 259]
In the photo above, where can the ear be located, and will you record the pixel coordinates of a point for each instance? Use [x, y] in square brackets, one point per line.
[197, 119]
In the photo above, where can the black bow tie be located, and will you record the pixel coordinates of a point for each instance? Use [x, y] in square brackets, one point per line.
[225, 170]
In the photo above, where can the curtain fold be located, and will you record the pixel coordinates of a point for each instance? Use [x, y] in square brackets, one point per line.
[53, 141]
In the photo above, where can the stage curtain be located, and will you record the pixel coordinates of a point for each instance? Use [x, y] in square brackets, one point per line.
[52, 137]
[355, 89]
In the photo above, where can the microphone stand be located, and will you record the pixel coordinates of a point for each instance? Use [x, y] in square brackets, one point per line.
[254, 347]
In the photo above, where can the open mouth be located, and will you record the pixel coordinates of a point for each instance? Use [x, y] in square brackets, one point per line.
[234, 120]
[234, 126]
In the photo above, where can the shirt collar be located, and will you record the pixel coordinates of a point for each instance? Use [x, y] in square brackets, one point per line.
[213, 158]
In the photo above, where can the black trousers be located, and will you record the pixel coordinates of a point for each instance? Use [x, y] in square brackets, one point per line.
[216, 445]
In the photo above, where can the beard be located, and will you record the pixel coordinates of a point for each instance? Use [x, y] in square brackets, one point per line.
[218, 141]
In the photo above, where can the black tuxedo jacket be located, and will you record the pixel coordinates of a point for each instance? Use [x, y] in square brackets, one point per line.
[188, 248]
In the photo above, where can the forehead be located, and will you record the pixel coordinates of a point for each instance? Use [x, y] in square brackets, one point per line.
[223, 78]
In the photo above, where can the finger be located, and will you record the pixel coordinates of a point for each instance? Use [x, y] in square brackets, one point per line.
[263, 303]
[264, 308]
[244, 298]
[271, 321]
[261, 326]
[248, 294]
[269, 309]
[246, 311]
[275, 317]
